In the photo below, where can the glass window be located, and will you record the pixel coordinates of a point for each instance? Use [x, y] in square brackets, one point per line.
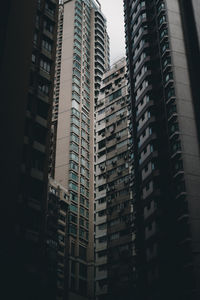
[73, 218]
[74, 138]
[73, 176]
[73, 186]
[74, 147]
[82, 267]
[73, 166]
[72, 229]
[74, 156]
[47, 44]
[45, 65]
[73, 196]
[82, 211]
[75, 129]
[82, 252]
[73, 208]
[75, 120]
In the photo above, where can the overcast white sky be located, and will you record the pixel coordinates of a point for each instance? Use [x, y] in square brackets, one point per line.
[114, 13]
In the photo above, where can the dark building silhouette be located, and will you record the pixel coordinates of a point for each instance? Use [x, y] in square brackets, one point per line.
[162, 44]
[28, 40]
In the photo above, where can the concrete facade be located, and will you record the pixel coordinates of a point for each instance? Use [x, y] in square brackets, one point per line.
[114, 237]
[163, 61]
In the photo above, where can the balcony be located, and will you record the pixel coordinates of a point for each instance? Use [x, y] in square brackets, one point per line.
[50, 14]
[48, 34]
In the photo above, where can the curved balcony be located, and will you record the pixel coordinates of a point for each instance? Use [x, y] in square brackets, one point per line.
[99, 39]
[99, 46]
[99, 33]
[99, 66]
[99, 15]
[99, 21]
[99, 53]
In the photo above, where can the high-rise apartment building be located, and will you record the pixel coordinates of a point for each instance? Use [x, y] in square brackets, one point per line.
[83, 55]
[28, 40]
[162, 44]
[56, 239]
[114, 223]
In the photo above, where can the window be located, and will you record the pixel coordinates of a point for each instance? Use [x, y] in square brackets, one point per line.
[82, 222]
[72, 249]
[43, 88]
[82, 211]
[101, 253]
[45, 65]
[82, 252]
[77, 73]
[114, 236]
[115, 95]
[162, 19]
[72, 229]
[73, 176]
[74, 129]
[46, 44]
[48, 26]
[176, 146]
[75, 96]
[74, 147]
[102, 239]
[50, 8]
[102, 213]
[73, 208]
[164, 47]
[102, 144]
[33, 58]
[82, 270]
[73, 196]
[102, 200]
[75, 112]
[167, 77]
[74, 138]
[73, 218]
[35, 38]
[73, 186]
[74, 156]
[73, 264]
[73, 166]
[102, 226]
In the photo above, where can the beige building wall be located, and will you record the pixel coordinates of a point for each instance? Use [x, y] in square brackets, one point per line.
[65, 95]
